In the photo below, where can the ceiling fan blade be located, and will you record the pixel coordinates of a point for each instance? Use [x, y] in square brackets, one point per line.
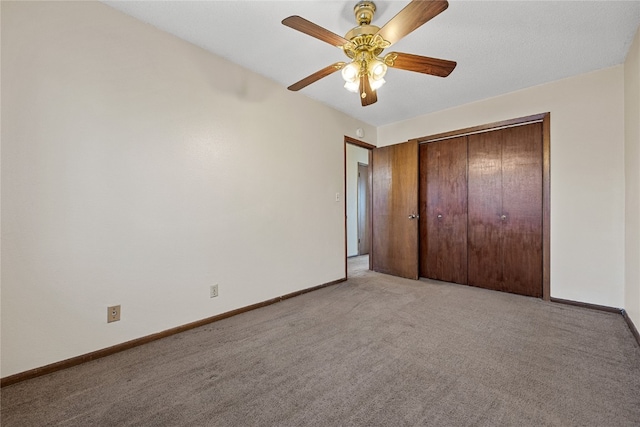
[411, 17]
[420, 64]
[316, 76]
[368, 96]
[314, 30]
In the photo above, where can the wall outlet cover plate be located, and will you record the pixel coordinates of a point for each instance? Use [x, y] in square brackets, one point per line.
[113, 313]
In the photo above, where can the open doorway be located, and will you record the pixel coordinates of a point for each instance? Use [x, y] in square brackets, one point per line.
[357, 197]
[363, 211]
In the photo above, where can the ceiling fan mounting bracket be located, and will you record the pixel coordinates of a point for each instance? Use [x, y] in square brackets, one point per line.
[364, 11]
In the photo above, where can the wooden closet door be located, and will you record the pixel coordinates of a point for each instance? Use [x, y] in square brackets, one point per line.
[394, 210]
[444, 247]
[505, 210]
[485, 255]
[522, 207]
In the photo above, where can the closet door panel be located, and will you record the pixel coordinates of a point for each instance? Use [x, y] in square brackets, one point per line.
[522, 208]
[446, 249]
[485, 253]
[422, 206]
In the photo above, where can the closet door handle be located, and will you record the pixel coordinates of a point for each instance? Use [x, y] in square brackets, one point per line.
[439, 216]
[413, 216]
[503, 217]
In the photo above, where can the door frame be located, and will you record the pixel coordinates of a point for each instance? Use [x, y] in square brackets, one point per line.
[370, 147]
[545, 119]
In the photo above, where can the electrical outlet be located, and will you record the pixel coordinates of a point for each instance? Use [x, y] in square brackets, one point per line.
[113, 313]
[213, 291]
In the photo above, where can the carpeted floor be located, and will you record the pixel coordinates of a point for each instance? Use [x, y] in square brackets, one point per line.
[375, 350]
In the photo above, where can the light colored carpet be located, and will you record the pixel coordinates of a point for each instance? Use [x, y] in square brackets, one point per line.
[375, 350]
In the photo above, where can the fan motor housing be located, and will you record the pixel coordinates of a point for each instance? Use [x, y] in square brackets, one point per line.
[362, 30]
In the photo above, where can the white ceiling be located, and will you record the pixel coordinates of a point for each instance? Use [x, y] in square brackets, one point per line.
[500, 46]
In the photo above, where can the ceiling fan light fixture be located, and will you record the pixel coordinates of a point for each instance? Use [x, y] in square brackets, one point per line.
[364, 44]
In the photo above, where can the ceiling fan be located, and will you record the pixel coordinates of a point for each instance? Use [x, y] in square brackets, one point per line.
[364, 44]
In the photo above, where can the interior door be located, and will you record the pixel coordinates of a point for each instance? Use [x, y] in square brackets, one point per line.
[444, 251]
[395, 210]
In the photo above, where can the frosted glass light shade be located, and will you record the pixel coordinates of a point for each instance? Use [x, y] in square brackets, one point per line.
[352, 86]
[376, 84]
[350, 72]
[377, 69]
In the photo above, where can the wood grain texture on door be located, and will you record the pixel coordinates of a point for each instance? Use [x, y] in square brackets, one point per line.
[443, 166]
[394, 210]
[485, 260]
[505, 210]
[522, 207]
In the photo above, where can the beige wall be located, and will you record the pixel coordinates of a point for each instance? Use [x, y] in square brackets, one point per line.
[138, 169]
[587, 174]
[632, 180]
